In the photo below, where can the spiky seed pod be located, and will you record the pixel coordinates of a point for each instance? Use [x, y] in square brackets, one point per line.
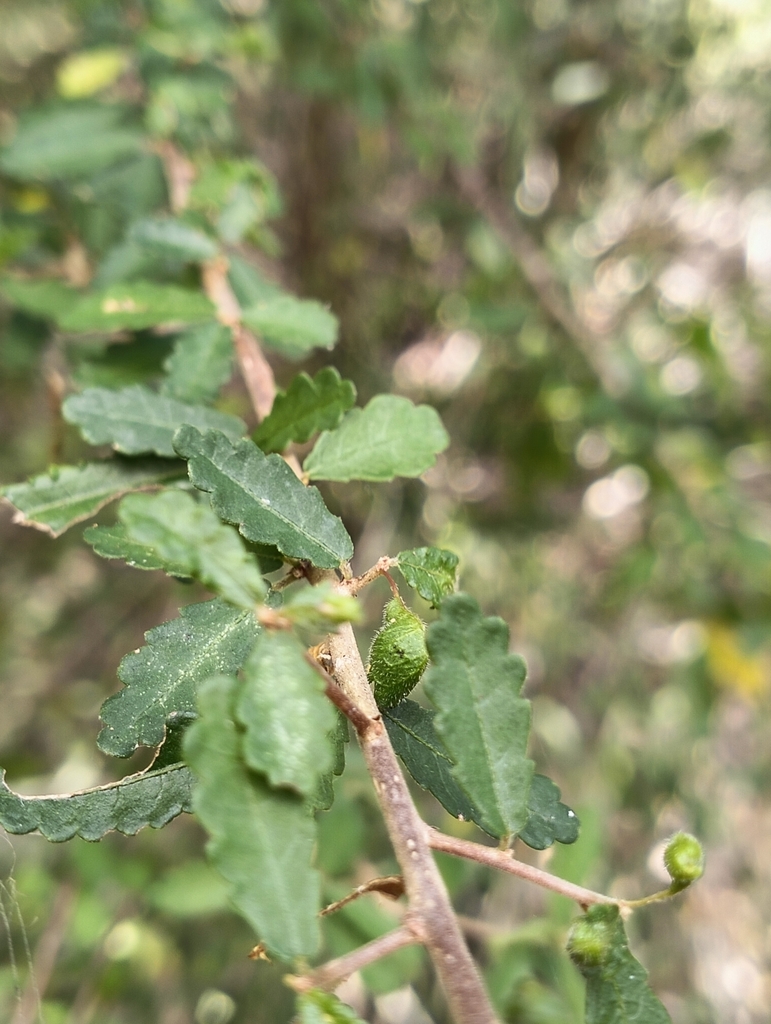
[398, 655]
[684, 859]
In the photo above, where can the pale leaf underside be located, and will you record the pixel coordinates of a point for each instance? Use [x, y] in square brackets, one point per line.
[292, 326]
[66, 495]
[150, 798]
[133, 306]
[136, 420]
[114, 542]
[184, 531]
[201, 362]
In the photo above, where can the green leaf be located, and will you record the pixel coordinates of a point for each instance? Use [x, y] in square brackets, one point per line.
[171, 237]
[152, 797]
[414, 739]
[184, 532]
[135, 305]
[549, 820]
[482, 720]
[292, 326]
[202, 361]
[48, 299]
[285, 714]
[431, 571]
[320, 607]
[162, 677]
[249, 285]
[69, 142]
[318, 1007]
[307, 406]
[324, 796]
[262, 496]
[114, 542]
[136, 420]
[65, 495]
[118, 365]
[617, 990]
[239, 215]
[262, 839]
[389, 437]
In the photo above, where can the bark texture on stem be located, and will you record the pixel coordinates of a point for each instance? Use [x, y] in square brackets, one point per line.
[504, 860]
[335, 972]
[430, 910]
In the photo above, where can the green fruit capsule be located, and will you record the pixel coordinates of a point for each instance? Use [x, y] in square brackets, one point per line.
[398, 655]
[590, 939]
[684, 860]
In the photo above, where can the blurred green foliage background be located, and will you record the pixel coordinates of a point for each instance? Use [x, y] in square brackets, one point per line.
[550, 219]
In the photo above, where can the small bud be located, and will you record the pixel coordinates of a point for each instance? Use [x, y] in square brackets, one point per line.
[398, 655]
[684, 860]
[590, 938]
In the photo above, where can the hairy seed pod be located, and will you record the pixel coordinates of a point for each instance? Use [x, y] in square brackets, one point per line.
[398, 655]
[684, 860]
[590, 938]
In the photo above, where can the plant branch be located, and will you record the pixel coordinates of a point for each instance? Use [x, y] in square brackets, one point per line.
[255, 368]
[337, 971]
[358, 583]
[180, 174]
[358, 718]
[505, 861]
[430, 909]
[391, 886]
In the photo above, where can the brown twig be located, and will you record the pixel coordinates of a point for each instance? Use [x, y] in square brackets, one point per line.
[391, 886]
[361, 721]
[255, 368]
[504, 860]
[180, 174]
[335, 972]
[256, 371]
[358, 583]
